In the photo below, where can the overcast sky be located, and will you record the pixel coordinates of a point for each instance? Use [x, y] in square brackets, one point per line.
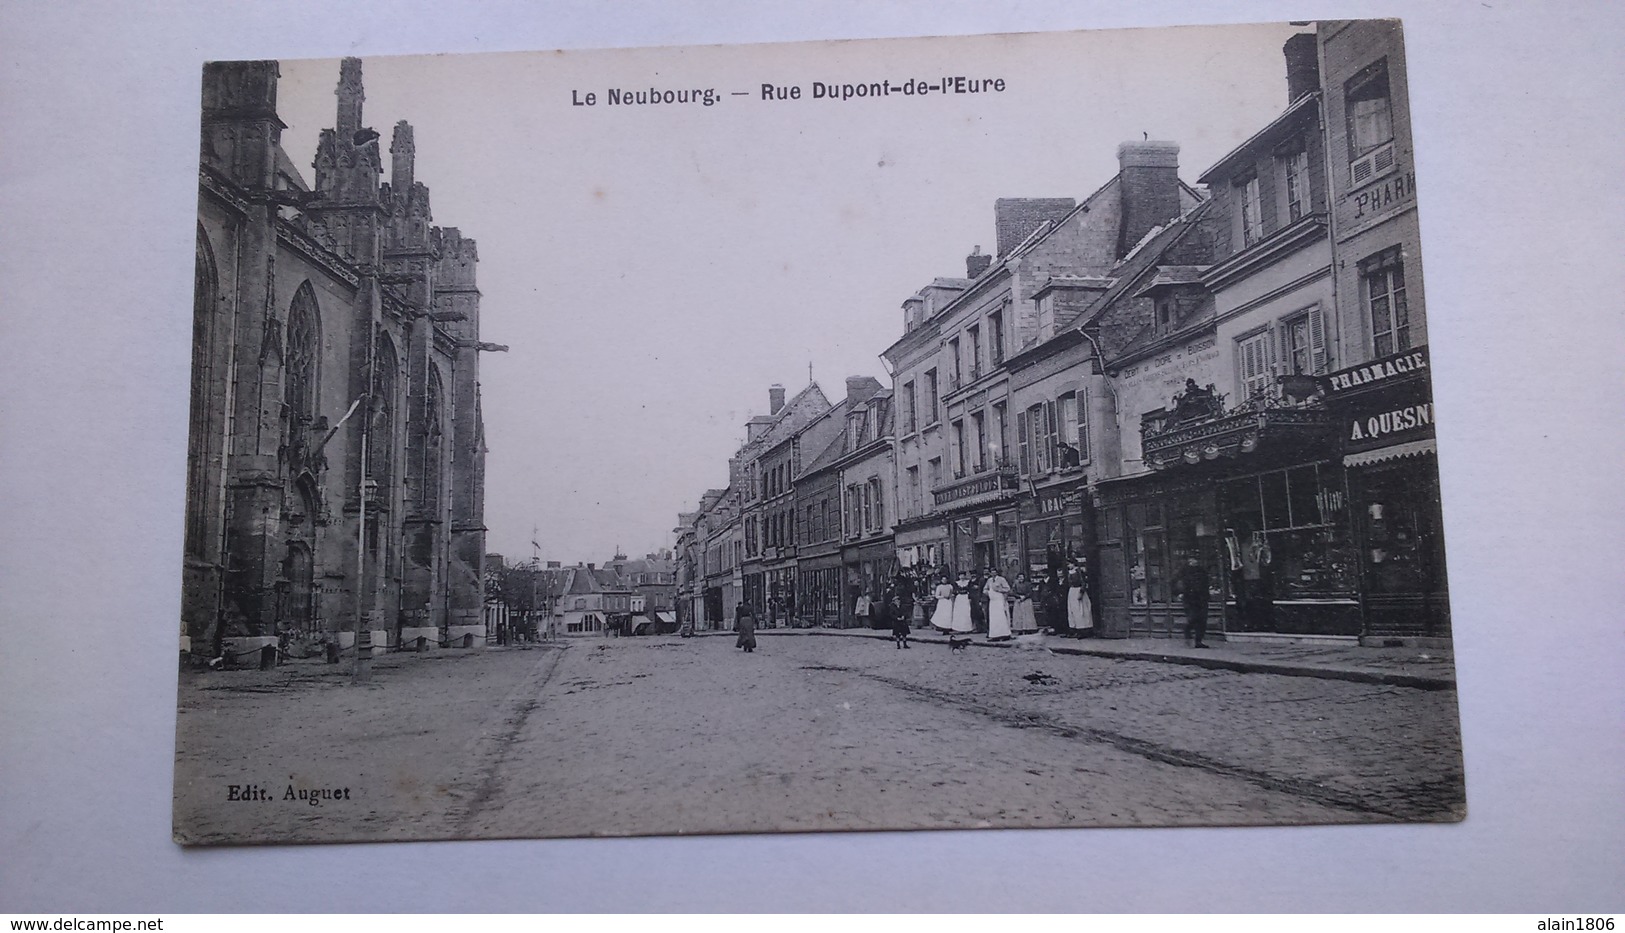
[655, 268]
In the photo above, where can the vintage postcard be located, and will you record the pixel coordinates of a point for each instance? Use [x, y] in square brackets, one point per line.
[1005, 431]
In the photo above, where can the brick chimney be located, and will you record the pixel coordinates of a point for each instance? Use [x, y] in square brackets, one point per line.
[1149, 174]
[976, 263]
[1302, 66]
[775, 399]
[1015, 219]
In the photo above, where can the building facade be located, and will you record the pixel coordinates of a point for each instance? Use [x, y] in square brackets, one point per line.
[336, 455]
[1237, 374]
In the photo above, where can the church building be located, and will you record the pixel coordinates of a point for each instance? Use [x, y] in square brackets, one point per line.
[335, 468]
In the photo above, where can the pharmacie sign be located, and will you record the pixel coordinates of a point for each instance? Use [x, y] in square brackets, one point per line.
[1388, 369]
[1386, 401]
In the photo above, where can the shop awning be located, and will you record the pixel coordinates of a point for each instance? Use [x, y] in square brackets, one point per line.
[1382, 454]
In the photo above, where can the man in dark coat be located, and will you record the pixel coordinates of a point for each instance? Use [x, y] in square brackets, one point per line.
[745, 625]
[1192, 584]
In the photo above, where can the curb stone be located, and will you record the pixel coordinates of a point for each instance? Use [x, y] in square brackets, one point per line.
[1241, 665]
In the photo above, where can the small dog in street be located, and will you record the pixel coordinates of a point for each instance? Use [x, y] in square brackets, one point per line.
[956, 644]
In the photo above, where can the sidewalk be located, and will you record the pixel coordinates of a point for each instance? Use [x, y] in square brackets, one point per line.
[1421, 668]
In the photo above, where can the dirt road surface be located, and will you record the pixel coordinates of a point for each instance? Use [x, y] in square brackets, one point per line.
[672, 736]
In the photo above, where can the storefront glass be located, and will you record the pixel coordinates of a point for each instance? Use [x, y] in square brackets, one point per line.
[1406, 552]
[1291, 527]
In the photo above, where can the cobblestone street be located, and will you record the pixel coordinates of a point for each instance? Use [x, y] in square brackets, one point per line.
[667, 735]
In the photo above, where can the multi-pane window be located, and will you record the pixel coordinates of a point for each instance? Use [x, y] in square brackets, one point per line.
[931, 396]
[909, 424]
[935, 465]
[995, 336]
[1256, 364]
[1295, 167]
[1039, 433]
[1068, 406]
[1383, 279]
[1252, 211]
[957, 372]
[914, 490]
[1370, 117]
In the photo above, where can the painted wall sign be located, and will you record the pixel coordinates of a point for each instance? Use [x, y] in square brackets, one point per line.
[1395, 190]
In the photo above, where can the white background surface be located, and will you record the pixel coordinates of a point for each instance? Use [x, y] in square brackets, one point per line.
[1520, 150]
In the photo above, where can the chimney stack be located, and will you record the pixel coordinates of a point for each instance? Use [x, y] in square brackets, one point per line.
[976, 263]
[1149, 182]
[775, 398]
[1015, 219]
[1302, 66]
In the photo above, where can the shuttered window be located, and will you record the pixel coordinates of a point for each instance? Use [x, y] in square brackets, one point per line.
[1304, 343]
[1052, 438]
[1021, 443]
[1254, 356]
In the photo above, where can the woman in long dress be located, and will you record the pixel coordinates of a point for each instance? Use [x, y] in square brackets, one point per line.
[1079, 614]
[1022, 618]
[943, 616]
[962, 621]
[998, 611]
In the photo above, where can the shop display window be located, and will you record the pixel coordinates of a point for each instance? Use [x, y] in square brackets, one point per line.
[1291, 527]
[1404, 553]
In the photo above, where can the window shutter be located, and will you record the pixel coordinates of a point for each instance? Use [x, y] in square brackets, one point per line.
[1052, 425]
[1083, 425]
[1021, 441]
[1317, 342]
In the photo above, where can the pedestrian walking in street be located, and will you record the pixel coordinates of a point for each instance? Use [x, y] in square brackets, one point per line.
[997, 593]
[745, 626]
[1022, 619]
[1192, 584]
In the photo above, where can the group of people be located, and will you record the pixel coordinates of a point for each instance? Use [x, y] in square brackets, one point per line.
[1055, 600]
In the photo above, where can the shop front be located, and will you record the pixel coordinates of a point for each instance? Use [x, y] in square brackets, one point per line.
[984, 529]
[1256, 495]
[865, 571]
[1385, 412]
[779, 587]
[1055, 526]
[818, 583]
[921, 545]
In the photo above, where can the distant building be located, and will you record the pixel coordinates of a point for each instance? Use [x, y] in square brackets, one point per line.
[589, 599]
